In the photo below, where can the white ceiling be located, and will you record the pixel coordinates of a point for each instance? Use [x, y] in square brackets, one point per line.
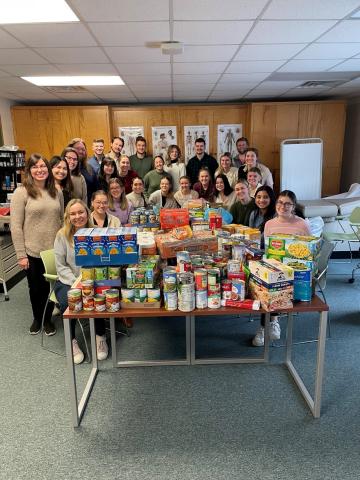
[234, 50]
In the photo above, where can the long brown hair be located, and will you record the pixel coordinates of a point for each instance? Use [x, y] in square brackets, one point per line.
[66, 150]
[66, 183]
[32, 190]
[124, 204]
[68, 229]
[179, 159]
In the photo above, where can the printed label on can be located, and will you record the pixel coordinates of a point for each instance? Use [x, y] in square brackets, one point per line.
[74, 300]
[201, 299]
[100, 273]
[170, 279]
[87, 273]
[200, 276]
[112, 302]
[99, 301]
[170, 300]
[128, 295]
[140, 295]
[88, 304]
[214, 301]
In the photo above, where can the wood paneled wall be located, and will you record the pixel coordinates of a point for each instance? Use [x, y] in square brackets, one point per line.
[273, 122]
[179, 115]
[47, 130]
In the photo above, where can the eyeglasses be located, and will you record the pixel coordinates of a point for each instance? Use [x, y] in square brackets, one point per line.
[40, 167]
[103, 204]
[284, 204]
[72, 159]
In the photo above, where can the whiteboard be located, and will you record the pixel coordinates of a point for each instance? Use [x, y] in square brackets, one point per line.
[301, 167]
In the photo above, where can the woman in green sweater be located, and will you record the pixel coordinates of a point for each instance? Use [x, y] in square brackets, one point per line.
[243, 205]
[152, 179]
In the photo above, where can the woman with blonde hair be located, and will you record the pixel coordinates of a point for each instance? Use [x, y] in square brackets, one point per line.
[119, 206]
[227, 169]
[77, 215]
[174, 165]
[37, 210]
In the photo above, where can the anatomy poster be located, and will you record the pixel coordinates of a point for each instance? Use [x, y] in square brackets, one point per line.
[162, 138]
[226, 140]
[129, 135]
[191, 133]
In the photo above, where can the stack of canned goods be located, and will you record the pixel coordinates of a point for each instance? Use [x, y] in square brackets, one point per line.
[143, 216]
[186, 292]
[201, 283]
[170, 288]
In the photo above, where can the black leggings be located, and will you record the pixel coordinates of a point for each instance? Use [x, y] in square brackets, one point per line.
[272, 315]
[39, 290]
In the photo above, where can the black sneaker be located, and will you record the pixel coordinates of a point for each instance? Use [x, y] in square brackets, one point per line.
[49, 329]
[35, 328]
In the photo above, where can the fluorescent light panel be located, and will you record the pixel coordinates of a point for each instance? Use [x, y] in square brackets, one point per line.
[78, 81]
[36, 11]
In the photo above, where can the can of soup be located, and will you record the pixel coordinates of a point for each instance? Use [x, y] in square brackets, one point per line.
[112, 303]
[200, 276]
[74, 300]
[201, 298]
[169, 276]
[87, 287]
[88, 304]
[99, 301]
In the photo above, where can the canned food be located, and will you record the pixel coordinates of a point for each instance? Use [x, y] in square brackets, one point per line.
[214, 276]
[128, 295]
[170, 300]
[152, 217]
[88, 304]
[214, 300]
[87, 287]
[238, 290]
[183, 261]
[134, 217]
[113, 273]
[74, 300]
[100, 273]
[140, 295]
[226, 248]
[234, 266]
[87, 273]
[169, 276]
[143, 218]
[186, 297]
[112, 303]
[153, 295]
[226, 287]
[99, 301]
[200, 276]
[201, 298]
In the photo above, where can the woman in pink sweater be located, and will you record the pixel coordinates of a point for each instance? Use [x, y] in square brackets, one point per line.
[286, 221]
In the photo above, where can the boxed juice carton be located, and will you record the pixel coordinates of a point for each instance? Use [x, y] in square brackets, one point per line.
[272, 296]
[271, 271]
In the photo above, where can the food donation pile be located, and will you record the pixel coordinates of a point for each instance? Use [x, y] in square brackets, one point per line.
[193, 263]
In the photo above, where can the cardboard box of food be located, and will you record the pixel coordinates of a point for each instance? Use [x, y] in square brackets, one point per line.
[292, 246]
[271, 271]
[273, 297]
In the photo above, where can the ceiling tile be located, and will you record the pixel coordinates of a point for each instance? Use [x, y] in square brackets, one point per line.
[210, 78]
[348, 66]
[309, 9]
[151, 90]
[8, 41]
[264, 66]
[224, 87]
[212, 10]
[308, 65]
[273, 85]
[262, 95]
[198, 33]
[108, 89]
[73, 55]
[77, 97]
[345, 31]
[130, 34]
[280, 51]
[28, 70]
[129, 10]
[299, 31]
[318, 51]
[197, 88]
[88, 69]
[14, 56]
[211, 53]
[136, 55]
[143, 68]
[352, 83]
[155, 98]
[243, 77]
[53, 34]
[147, 79]
[196, 67]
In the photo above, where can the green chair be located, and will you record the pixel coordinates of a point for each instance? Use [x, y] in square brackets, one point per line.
[48, 259]
[353, 236]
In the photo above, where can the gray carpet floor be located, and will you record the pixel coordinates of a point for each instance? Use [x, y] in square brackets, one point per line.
[197, 422]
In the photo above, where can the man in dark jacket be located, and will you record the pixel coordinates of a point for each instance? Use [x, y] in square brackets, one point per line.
[201, 159]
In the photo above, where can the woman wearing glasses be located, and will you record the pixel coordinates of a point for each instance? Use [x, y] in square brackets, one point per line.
[99, 207]
[37, 212]
[285, 221]
[79, 185]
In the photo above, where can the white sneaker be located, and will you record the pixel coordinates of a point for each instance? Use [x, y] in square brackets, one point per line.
[102, 350]
[275, 330]
[258, 340]
[78, 355]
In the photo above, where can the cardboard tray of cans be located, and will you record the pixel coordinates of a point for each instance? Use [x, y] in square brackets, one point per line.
[140, 305]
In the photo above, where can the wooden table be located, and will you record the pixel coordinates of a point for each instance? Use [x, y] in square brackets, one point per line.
[316, 305]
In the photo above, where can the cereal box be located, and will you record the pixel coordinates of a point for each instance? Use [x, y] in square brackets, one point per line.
[273, 297]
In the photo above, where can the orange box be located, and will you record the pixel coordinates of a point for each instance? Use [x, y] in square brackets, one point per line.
[173, 217]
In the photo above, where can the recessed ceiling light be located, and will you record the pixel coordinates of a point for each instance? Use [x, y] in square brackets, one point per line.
[72, 80]
[36, 11]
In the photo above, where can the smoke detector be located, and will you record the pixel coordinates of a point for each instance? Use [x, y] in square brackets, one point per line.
[172, 48]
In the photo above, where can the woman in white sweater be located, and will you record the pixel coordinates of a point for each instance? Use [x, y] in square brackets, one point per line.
[37, 210]
[77, 215]
[174, 165]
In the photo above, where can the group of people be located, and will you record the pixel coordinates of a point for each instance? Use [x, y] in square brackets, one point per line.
[72, 191]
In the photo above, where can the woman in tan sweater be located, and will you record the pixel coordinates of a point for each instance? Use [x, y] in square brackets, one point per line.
[37, 211]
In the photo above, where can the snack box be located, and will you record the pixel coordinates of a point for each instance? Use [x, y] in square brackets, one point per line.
[273, 297]
[292, 246]
[271, 271]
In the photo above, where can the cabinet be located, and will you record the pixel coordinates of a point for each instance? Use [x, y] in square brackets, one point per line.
[11, 165]
[8, 262]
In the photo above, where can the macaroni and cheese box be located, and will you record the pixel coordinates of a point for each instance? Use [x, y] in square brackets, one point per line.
[271, 271]
[293, 246]
[81, 242]
[98, 242]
